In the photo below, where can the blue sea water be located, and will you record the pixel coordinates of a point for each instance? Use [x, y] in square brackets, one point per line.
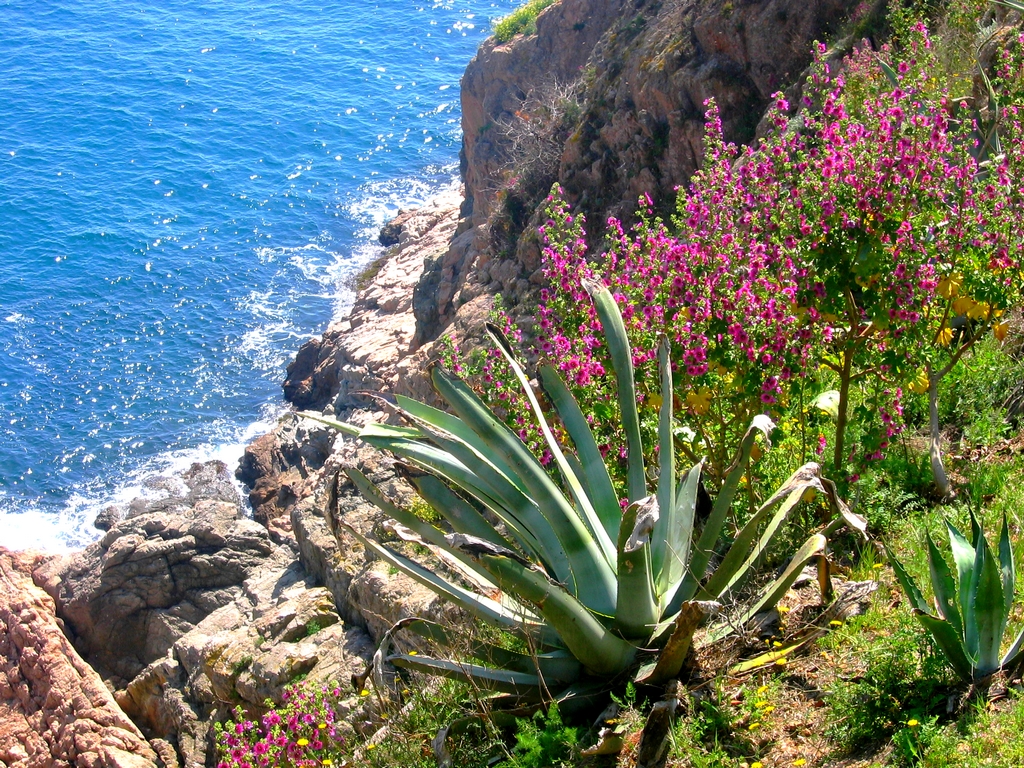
[184, 187]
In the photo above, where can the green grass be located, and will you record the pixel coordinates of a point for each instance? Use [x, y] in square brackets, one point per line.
[522, 20]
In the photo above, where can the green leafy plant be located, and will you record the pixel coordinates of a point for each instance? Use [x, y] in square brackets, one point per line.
[542, 741]
[971, 609]
[522, 19]
[586, 581]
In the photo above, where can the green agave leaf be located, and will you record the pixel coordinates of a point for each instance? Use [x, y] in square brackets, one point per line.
[592, 578]
[716, 520]
[594, 474]
[433, 459]
[660, 551]
[917, 601]
[673, 655]
[599, 650]
[426, 531]
[1006, 568]
[482, 607]
[678, 534]
[964, 557]
[636, 608]
[948, 640]
[584, 506]
[743, 556]
[484, 678]
[773, 592]
[446, 422]
[987, 603]
[342, 426]
[944, 588]
[527, 519]
[1015, 654]
[622, 363]
[461, 515]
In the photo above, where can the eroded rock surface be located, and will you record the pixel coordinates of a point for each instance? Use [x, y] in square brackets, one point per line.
[54, 709]
[154, 576]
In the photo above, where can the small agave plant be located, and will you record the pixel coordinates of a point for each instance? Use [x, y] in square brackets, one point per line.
[972, 608]
[593, 585]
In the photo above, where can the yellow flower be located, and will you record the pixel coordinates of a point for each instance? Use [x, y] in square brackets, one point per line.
[753, 726]
[878, 566]
[655, 400]
[413, 653]
[799, 761]
[769, 710]
[913, 723]
[835, 623]
[1001, 329]
[963, 304]
[758, 764]
[760, 704]
[920, 382]
[371, 746]
[762, 689]
[979, 311]
[302, 742]
[781, 662]
[327, 761]
[699, 402]
[322, 726]
[949, 287]
[945, 336]
[364, 692]
[776, 644]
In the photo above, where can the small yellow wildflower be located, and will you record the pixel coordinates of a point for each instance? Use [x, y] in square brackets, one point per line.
[768, 710]
[302, 742]
[364, 692]
[799, 761]
[758, 764]
[413, 653]
[878, 566]
[835, 623]
[783, 609]
[780, 662]
[776, 644]
[762, 689]
[913, 723]
[760, 704]
[322, 726]
[327, 761]
[371, 746]
[753, 726]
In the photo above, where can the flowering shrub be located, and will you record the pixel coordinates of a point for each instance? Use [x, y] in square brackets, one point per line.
[870, 237]
[303, 732]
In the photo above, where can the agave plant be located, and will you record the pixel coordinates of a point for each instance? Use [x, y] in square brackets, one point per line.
[971, 609]
[591, 583]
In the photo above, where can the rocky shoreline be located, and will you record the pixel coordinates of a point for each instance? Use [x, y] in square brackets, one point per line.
[128, 652]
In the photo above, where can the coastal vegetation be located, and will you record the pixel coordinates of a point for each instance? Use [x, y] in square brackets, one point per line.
[523, 20]
[847, 291]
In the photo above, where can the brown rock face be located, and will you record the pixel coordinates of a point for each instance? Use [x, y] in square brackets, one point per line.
[152, 578]
[54, 709]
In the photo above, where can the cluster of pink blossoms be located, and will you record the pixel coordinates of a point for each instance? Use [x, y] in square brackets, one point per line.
[832, 244]
[304, 732]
